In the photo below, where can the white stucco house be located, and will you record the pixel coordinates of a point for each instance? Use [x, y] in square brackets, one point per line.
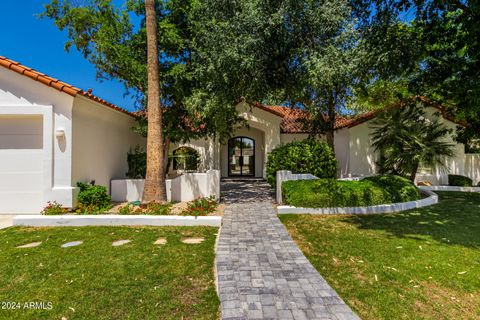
[246, 153]
[53, 135]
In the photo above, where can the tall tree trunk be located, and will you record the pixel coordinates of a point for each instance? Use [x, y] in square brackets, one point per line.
[155, 178]
[331, 122]
[413, 174]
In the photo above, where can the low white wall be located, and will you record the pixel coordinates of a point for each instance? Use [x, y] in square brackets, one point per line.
[127, 189]
[450, 188]
[431, 199]
[285, 175]
[114, 220]
[186, 187]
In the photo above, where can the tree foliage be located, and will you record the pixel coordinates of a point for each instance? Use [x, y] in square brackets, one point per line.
[431, 46]
[405, 139]
[113, 39]
[303, 53]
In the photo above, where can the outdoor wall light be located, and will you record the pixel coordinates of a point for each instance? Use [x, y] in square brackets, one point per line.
[60, 133]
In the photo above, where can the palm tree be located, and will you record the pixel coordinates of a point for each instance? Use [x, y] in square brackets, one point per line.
[406, 139]
[155, 189]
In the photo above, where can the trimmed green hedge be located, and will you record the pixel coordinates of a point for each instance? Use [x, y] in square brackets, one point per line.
[307, 156]
[459, 181]
[327, 193]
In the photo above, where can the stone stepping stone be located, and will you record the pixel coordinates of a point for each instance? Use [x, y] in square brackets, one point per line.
[30, 245]
[119, 243]
[160, 241]
[192, 240]
[71, 244]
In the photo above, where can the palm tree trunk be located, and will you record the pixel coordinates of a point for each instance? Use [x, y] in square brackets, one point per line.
[331, 122]
[413, 174]
[155, 177]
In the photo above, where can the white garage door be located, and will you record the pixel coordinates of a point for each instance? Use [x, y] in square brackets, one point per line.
[21, 155]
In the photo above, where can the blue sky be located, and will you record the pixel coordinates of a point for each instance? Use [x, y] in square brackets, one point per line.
[38, 44]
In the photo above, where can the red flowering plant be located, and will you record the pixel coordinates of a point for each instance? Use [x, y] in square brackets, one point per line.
[54, 208]
[201, 207]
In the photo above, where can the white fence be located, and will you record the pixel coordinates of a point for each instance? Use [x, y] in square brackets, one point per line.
[187, 187]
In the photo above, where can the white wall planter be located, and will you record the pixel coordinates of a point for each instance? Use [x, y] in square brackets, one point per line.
[114, 220]
[450, 188]
[431, 199]
[187, 187]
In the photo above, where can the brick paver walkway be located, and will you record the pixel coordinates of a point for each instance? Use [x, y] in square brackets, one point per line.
[262, 274]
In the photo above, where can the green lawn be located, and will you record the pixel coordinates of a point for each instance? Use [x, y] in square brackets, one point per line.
[138, 280]
[419, 264]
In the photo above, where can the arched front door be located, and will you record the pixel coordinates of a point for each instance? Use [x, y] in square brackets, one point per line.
[241, 156]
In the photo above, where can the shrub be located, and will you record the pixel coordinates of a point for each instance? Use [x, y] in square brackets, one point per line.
[137, 163]
[400, 189]
[54, 208]
[126, 209]
[92, 198]
[201, 207]
[459, 181]
[158, 208]
[307, 156]
[151, 208]
[324, 193]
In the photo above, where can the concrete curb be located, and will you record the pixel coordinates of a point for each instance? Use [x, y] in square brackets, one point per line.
[431, 199]
[450, 188]
[114, 220]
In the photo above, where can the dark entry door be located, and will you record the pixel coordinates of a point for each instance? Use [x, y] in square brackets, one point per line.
[241, 156]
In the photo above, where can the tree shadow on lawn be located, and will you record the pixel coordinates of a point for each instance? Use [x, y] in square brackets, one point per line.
[455, 220]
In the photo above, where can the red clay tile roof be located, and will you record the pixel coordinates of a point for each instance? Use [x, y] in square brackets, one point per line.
[293, 118]
[56, 84]
[361, 118]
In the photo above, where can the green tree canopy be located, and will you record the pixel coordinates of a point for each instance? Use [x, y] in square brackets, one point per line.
[113, 39]
[303, 53]
[430, 47]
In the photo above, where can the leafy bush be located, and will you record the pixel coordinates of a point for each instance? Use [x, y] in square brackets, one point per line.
[130, 209]
[201, 207]
[324, 193]
[54, 208]
[126, 209]
[158, 208]
[459, 181]
[307, 156]
[152, 208]
[137, 163]
[400, 189]
[92, 198]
